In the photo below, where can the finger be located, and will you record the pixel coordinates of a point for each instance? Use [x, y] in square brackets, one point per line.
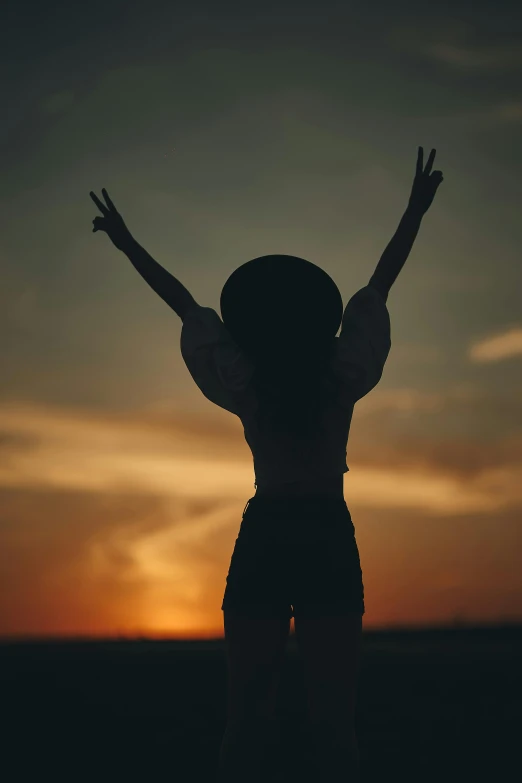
[98, 224]
[108, 200]
[429, 164]
[103, 209]
[418, 169]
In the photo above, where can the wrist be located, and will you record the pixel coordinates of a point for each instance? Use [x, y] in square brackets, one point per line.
[127, 244]
[414, 211]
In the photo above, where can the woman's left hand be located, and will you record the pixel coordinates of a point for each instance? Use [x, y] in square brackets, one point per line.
[425, 183]
[111, 222]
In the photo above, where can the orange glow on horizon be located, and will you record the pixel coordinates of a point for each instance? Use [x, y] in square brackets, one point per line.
[124, 526]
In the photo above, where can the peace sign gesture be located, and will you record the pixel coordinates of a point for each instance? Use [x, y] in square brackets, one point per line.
[425, 183]
[111, 222]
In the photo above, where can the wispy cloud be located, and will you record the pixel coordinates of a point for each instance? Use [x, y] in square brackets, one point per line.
[478, 57]
[405, 400]
[126, 522]
[505, 113]
[456, 399]
[85, 452]
[456, 43]
[96, 563]
[498, 347]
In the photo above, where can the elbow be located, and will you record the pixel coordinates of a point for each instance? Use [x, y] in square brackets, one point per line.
[378, 286]
[184, 306]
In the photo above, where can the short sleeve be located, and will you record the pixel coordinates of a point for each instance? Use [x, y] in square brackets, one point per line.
[215, 362]
[364, 343]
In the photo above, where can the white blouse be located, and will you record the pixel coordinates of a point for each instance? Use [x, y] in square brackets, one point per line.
[223, 372]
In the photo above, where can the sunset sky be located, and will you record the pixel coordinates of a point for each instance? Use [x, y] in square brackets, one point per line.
[223, 135]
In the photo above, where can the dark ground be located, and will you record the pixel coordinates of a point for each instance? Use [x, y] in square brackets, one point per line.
[433, 706]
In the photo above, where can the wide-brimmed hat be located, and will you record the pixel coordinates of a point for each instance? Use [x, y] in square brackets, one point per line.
[278, 298]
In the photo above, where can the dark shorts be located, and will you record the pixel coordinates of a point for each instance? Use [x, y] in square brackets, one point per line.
[295, 556]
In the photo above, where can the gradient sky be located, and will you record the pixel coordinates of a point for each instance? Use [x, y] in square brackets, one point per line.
[223, 135]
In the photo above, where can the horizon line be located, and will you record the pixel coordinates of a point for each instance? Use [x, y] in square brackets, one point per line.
[454, 626]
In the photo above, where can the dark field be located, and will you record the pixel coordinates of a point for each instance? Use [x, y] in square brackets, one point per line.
[433, 706]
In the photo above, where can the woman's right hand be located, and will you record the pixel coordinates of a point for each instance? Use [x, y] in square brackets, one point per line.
[111, 222]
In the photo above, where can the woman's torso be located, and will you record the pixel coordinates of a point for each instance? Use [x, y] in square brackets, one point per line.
[331, 487]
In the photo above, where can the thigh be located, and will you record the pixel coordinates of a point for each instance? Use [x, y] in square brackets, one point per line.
[255, 648]
[326, 574]
[330, 648]
[257, 580]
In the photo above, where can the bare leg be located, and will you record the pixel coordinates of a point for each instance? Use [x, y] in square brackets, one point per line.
[336, 752]
[245, 750]
[255, 653]
[330, 648]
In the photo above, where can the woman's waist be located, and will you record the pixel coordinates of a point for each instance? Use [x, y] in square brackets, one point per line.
[321, 487]
[317, 510]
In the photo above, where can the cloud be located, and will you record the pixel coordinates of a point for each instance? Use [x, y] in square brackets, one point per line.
[403, 400]
[408, 352]
[450, 44]
[125, 522]
[425, 433]
[483, 118]
[89, 563]
[45, 541]
[496, 348]
[186, 458]
[509, 111]
[84, 563]
[468, 399]
[419, 487]
[449, 41]
[182, 456]
[479, 57]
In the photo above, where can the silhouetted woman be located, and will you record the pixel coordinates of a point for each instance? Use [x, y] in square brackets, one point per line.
[275, 361]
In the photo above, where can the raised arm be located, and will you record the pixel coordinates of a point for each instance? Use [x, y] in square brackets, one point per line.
[162, 282]
[394, 257]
